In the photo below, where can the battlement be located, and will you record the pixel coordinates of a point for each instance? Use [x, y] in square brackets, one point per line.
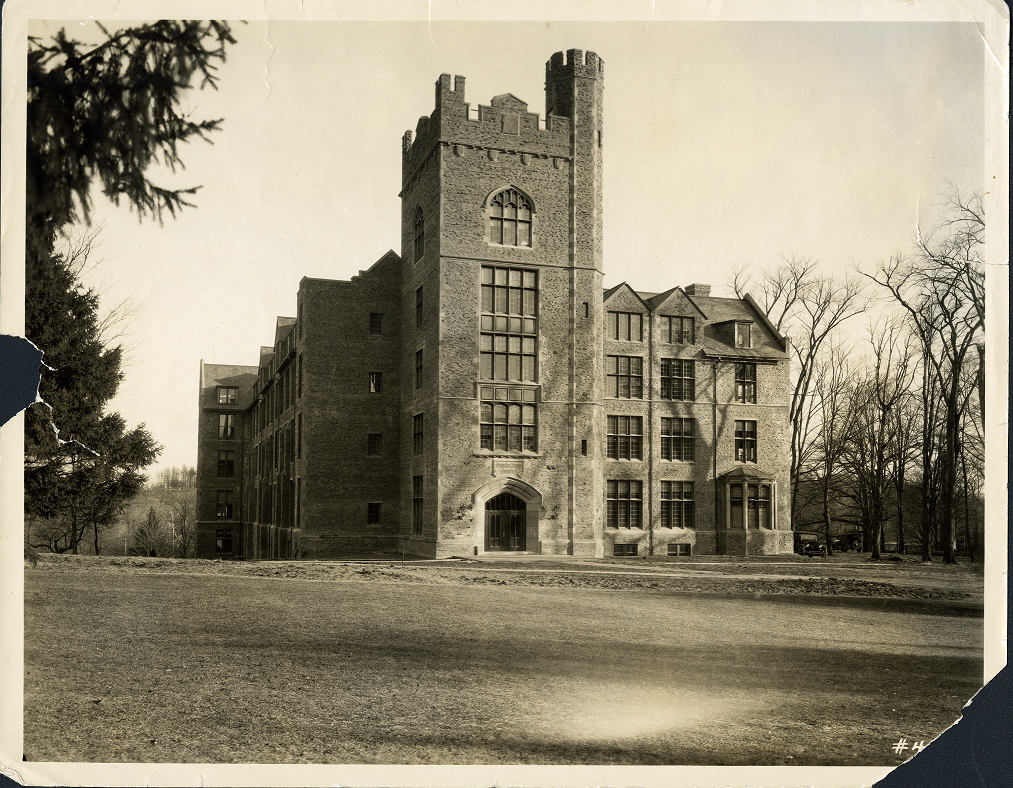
[575, 63]
[445, 92]
[562, 71]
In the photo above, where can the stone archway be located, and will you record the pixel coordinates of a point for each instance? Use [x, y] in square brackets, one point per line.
[514, 508]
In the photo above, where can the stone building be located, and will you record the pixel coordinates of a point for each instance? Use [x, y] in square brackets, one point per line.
[481, 392]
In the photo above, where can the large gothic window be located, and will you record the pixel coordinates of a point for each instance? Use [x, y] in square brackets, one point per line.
[510, 219]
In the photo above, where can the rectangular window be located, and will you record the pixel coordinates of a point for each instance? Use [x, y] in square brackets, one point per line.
[678, 379]
[624, 503]
[417, 505]
[375, 382]
[678, 330]
[223, 540]
[625, 438]
[418, 308]
[508, 419]
[680, 549]
[376, 323]
[677, 505]
[625, 550]
[678, 439]
[299, 392]
[372, 514]
[625, 377]
[509, 325]
[418, 369]
[374, 444]
[745, 441]
[745, 382]
[226, 426]
[418, 433]
[743, 335]
[224, 511]
[226, 464]
[758, 506]
[298, 439]
[626, 326]
[227, 395]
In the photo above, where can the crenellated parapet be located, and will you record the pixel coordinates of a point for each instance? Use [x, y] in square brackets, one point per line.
[560, 73]
[503, 124]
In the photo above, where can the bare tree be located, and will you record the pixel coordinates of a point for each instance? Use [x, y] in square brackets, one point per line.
[941, 288]
[179, 507]
[837, 420]
[875, 443]
[808, 305]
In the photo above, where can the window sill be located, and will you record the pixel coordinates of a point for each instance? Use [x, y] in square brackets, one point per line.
[507, 455]
[610, 530]
[493, 245]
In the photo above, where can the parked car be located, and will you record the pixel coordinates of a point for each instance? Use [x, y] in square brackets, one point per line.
[847, 542]
[809, 544]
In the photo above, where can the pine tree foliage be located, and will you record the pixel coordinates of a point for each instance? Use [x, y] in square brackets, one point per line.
[108, 113]
[100, 116]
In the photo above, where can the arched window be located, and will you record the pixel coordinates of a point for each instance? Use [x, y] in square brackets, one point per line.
[420, 235]
[510, 219]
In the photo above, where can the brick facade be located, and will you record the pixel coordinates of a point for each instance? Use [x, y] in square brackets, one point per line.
[473, 414]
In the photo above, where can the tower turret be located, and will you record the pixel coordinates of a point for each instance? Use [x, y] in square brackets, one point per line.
[561, 72]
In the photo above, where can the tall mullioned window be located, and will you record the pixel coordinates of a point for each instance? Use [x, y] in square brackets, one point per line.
[625, 438]
[418, 433]
[745, 382]
[625, 377]
[226, 426]
[226, 464]
[626, 326]
[416, 505]
[678, 379]
[678, 440]
[419, 235]
[510, 219]
[624, 503]
[678, 330]
[509, 324]
[508, 419]
[225, 504]
[745, 441]
[418, 308]
[757, 505]
[677, 504]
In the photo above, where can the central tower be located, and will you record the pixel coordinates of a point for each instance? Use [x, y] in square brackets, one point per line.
[500, 371]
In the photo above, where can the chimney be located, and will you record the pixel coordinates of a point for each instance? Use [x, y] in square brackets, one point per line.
[697, 290]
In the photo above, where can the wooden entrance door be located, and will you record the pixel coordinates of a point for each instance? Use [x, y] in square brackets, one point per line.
[505, 523]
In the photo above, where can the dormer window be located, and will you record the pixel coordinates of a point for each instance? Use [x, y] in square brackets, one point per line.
[510, 213]
[743, 335]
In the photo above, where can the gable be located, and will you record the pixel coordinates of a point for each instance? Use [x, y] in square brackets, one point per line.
[622, 298]
[677, 303]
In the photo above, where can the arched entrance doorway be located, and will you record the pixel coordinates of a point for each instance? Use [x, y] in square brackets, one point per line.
[505, 523]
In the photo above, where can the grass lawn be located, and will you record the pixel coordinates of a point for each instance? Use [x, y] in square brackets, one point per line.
[122, 666]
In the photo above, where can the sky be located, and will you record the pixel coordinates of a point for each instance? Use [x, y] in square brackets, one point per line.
[725, 143]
